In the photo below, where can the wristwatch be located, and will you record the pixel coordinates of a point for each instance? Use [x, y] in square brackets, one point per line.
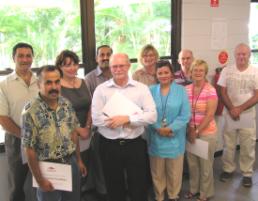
[197, 131]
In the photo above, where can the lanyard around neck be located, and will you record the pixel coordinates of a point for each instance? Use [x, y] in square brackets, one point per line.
[195, 103]
[164, 106]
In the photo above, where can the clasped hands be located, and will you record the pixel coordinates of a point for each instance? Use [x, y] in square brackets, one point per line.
[235, 112]
[117, 121]
[165, 132]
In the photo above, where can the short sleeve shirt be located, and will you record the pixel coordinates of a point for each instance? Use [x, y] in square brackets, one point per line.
[240, 84]
[47, 131]
[14, 94]
[199, 106]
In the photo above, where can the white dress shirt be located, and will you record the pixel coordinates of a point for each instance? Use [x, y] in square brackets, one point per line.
[134, 91]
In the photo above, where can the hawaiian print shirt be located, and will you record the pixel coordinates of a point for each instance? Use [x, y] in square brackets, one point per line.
[49, 131]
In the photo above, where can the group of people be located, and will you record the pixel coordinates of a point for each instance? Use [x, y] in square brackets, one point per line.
[58, 117]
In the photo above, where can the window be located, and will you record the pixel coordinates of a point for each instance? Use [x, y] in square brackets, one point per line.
[49, 26]
[82, 25]
[128, 26]
[253, 32]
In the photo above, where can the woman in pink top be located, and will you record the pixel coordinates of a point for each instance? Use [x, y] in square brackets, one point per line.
[202, 126]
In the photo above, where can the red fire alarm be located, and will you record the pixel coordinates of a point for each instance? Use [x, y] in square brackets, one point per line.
[214, 3]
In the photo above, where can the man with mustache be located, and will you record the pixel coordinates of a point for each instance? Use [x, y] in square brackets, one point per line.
[102, 72]
[15, 91]
[49, 125]
[93, 79]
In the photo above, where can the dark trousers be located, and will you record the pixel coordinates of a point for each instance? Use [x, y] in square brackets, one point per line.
[17, 172]
[118, 157]
[96, 165]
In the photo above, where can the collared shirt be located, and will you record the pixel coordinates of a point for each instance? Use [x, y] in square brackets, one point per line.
[14, 94]
[49, 131]
[180, 78]
[94, 78]
[144, 77]
[135, 91]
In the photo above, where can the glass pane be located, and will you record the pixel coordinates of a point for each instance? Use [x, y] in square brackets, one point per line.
[129, 25]
[253, 28]
[1, 129]
[254, 58]
[49, 26]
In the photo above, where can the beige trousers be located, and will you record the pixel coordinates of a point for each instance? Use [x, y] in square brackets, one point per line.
[166, 173]
[201, 170]
[247, 139]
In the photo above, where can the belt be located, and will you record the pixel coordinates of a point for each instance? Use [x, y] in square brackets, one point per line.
[120, 141]
[65, 159]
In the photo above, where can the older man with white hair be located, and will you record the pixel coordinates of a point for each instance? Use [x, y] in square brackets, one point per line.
[122, 148]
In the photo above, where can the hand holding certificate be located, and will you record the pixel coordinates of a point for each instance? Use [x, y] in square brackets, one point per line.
[60, 175]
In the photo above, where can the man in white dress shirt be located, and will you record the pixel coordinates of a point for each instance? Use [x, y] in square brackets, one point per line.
[121, 146]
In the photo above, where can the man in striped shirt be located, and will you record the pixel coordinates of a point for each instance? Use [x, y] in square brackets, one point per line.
[185, 59]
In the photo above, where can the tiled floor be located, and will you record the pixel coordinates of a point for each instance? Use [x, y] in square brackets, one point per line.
[229, 191]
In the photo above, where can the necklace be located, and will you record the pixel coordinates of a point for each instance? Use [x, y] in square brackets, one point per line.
[163, 108]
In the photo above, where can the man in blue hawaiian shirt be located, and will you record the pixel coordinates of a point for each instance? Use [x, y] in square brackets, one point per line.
[49, 132]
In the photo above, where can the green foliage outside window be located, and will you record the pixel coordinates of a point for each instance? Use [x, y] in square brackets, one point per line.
[48, 29]
[253, 32]
[130, 25]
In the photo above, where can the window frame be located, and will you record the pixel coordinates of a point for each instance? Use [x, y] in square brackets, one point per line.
[89, 41]
[254, 50]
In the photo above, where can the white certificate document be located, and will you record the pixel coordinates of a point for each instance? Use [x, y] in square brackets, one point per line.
[119, 104]
[199, 148]
[246, 121]
[60, 175]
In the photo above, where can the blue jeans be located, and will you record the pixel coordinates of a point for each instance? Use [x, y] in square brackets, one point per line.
[58, 195]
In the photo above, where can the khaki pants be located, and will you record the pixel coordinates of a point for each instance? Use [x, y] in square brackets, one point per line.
[201, 170]
[247, 138]
[166, 173]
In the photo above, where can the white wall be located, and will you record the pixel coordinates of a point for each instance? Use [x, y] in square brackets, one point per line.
[198, 17]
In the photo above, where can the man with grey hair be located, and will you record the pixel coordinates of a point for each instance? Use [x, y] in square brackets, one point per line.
[122, 148]
[239, 91]
[185, 59]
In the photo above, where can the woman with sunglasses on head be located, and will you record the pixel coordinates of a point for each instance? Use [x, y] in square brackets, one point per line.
[148, 58]
[203, 99]
[166, 138]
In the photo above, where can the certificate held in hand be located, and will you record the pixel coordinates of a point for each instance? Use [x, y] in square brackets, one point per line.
[119, 104]
[60, 175]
